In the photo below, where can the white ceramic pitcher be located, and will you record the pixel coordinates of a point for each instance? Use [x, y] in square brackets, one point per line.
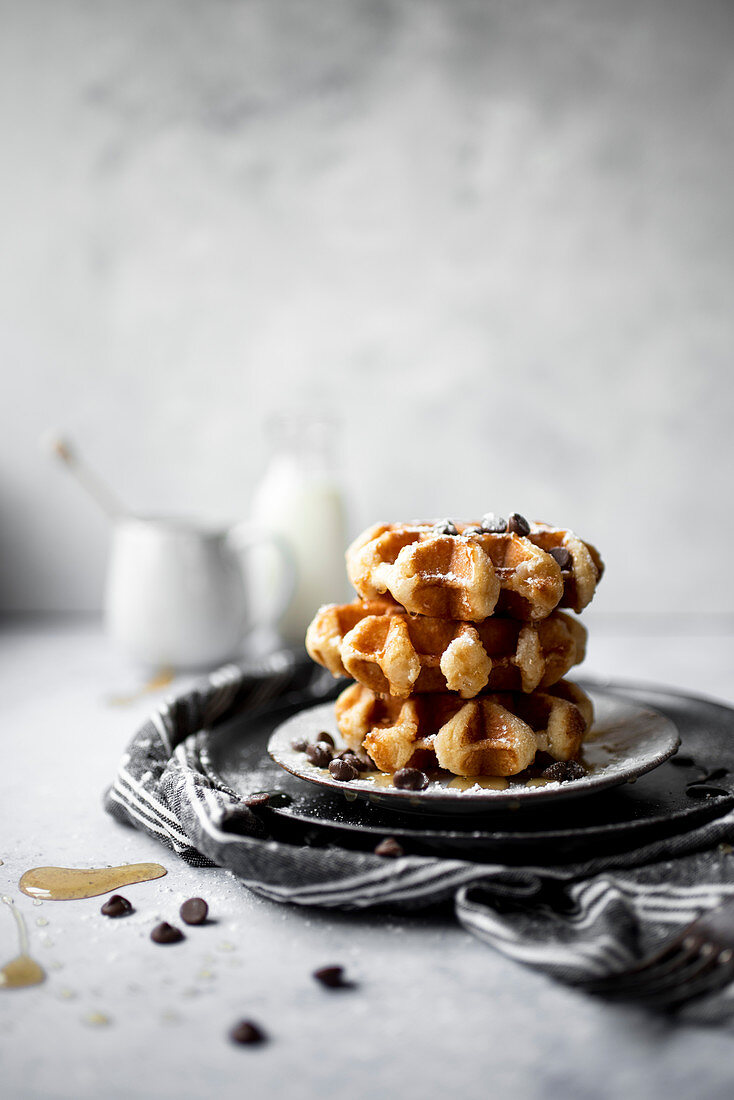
[177, 592]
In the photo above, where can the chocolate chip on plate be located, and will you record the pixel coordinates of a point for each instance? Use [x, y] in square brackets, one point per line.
[389, 847]
[194, 911]
[166, 933]
[410, 779]
[116, 906]
[495, 525]
[343, 771]
[518, 525]
[246, 1033]
[299, 744]
[562, 556]
[357, 762]
[325, 738]
[331, 976]
[319, 754]
[351, 758]
[445, 527]
[563, 771]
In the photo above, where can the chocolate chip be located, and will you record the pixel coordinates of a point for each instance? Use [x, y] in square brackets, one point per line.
[562, 556]
[194, 911]
[246, 1032]
[472, 531]
[116, 906]
[356, 761]
[563, 771]
[166, 933]
[343, 771]
[325, 738]
[445, 527]
[299, 744]
[241, 820]
[682, 761]
[256, 801]
[389, 847]
[410, 779]
[319, 754]
[496, 525]
[518, 525]
[331, 976]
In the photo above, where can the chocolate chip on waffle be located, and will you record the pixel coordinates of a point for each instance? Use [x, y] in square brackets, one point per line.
[475, 573]
[493, 734]
[394, 653]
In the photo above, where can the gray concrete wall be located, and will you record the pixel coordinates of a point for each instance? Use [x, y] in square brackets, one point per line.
[495, 239]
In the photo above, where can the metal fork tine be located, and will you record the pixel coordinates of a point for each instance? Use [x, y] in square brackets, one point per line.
[666, 962]
[714, 979]
[659, 987]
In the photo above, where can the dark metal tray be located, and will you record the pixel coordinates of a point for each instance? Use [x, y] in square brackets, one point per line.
[694, 786]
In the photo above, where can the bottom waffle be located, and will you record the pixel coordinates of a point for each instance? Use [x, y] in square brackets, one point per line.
[496, 734]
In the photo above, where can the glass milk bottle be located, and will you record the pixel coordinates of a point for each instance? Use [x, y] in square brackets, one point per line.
[299, 498]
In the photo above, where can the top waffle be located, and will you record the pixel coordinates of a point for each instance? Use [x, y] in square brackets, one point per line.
[472, 572]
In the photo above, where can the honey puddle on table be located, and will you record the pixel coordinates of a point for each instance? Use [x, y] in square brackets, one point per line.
[71, 883]
[21, 971]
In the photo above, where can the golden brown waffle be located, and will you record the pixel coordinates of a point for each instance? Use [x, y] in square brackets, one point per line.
[391, 652]
[495, 734]
[332, 621]
[474, 573]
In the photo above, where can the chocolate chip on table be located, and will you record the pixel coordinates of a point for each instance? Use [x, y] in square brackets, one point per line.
[194, 911]
[331, 976]
[410, 779]
[256, 801]
[518, 525]
[495, 525]
[343, 771]
[325, 738]
[166, 933]
[389, 847]
[445, 527]
[246, 1033]
[562, 556]
[116, 906]
[319, 754]
[299, 744]
[563, 771]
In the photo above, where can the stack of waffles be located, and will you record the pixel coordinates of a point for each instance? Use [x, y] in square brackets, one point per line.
[459, 649]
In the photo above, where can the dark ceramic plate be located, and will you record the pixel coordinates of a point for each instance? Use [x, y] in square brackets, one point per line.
[626, 741]
[668, 800]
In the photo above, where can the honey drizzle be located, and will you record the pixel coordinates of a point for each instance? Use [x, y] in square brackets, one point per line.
[21, 971]
[487, 782]
[71, 883]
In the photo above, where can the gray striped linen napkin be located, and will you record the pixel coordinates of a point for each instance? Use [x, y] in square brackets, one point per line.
[573, 922]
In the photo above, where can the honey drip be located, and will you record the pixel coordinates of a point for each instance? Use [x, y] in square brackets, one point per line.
[68, 884]
[21, 971]
[488, 782]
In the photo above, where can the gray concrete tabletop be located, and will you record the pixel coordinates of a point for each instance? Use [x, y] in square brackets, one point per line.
[432, 1011]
